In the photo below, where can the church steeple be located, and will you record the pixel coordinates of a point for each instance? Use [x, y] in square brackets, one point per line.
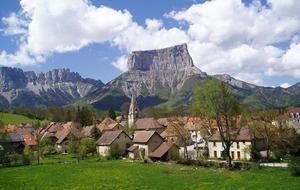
[133, 113]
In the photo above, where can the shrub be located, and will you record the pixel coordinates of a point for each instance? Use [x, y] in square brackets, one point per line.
[114, 152]
[294, 165]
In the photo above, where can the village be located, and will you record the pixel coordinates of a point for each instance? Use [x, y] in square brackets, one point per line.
[147, 139]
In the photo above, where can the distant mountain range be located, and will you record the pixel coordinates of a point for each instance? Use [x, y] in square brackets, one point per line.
[164, 77]
[56, 87]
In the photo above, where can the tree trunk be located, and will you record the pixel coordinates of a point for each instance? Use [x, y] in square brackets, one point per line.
[228, 157]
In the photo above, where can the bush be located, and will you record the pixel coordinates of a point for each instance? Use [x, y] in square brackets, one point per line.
[294, 165]
[114, 152]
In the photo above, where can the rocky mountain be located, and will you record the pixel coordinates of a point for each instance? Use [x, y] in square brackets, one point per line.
[168, 77]
[56, 87]
[163, 77]
[153, 76]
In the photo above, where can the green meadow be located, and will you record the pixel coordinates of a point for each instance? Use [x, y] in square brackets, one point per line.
[125, 174]
[9, 118]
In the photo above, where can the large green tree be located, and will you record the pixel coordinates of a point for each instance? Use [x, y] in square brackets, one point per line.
[213, 100]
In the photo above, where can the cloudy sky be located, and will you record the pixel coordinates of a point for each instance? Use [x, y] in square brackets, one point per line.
[256, 41]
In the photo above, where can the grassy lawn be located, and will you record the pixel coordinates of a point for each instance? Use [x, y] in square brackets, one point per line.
[124, 174]
[9, 118]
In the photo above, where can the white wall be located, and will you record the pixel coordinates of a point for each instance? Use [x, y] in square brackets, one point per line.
[243, 149]
[103, 150]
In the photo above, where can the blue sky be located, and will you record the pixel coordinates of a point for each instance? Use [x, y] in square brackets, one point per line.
[245, 52]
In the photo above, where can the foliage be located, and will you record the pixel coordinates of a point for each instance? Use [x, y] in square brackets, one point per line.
[46, 147]
[294, 165]
[114, 151]
[96, 133]
[87, 146]
[28, 154]
[85, 115]
[111, 113]
[214, 101]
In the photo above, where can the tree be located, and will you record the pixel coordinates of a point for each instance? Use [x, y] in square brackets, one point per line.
[114, 151]
[183, 136]
[261, 122]
[96, 133]
[111, 113]
[214, 101]
[87, 146]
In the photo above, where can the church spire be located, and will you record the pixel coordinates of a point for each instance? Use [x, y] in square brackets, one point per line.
[133, 112]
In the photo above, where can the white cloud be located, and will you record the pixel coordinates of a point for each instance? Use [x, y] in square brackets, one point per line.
[285, 85]
[121, 63]
[55, 26]
[222, 36]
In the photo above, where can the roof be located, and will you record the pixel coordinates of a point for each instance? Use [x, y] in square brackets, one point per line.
[245, 134]
[147, 124]
[108, 137]
[29, 139]
[143, 136]
[86, 131]
[9, 128]
[108, 121]
[161, 150]
[171, 132]
[11, 137]
[68, 128]
[103, 127]
[132, 148]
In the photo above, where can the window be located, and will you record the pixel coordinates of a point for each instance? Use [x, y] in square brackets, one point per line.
[239, 155]
[215, 154]
[215, 144]
[238, 145]
[244, 142]
[232, 155]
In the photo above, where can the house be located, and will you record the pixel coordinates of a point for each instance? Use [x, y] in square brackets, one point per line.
[175, 135]
[107, 125]
[28, 137]
[165, 151]
[12, 142]
[87, 130]
[148, 124]
[110, 138]
[144, 142]
[69, 130]
[241, 147]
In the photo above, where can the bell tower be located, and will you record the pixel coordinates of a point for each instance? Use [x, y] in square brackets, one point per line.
[133, 113]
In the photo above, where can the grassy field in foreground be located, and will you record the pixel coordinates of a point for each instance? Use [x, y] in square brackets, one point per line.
[9, 118]
[132, 175]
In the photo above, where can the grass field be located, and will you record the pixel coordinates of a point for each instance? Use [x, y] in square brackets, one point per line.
[9, 118]
[112, 175]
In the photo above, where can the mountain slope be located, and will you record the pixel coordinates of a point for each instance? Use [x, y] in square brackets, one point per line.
[168, 77]
[56, 87]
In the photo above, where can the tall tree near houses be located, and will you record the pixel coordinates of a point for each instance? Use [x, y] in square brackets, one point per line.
[214, 101]
[262, 123]
[184, 138]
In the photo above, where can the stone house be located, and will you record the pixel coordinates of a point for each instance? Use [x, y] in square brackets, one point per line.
[12, 142]
[110, 138]
[150, 145]
[241, 147]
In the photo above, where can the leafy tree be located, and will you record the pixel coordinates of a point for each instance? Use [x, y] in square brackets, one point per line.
[114, 151]
[46, 147]
[87, 146]
[27, 155]
[96, 133]
[111, 113]
[214, 101]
